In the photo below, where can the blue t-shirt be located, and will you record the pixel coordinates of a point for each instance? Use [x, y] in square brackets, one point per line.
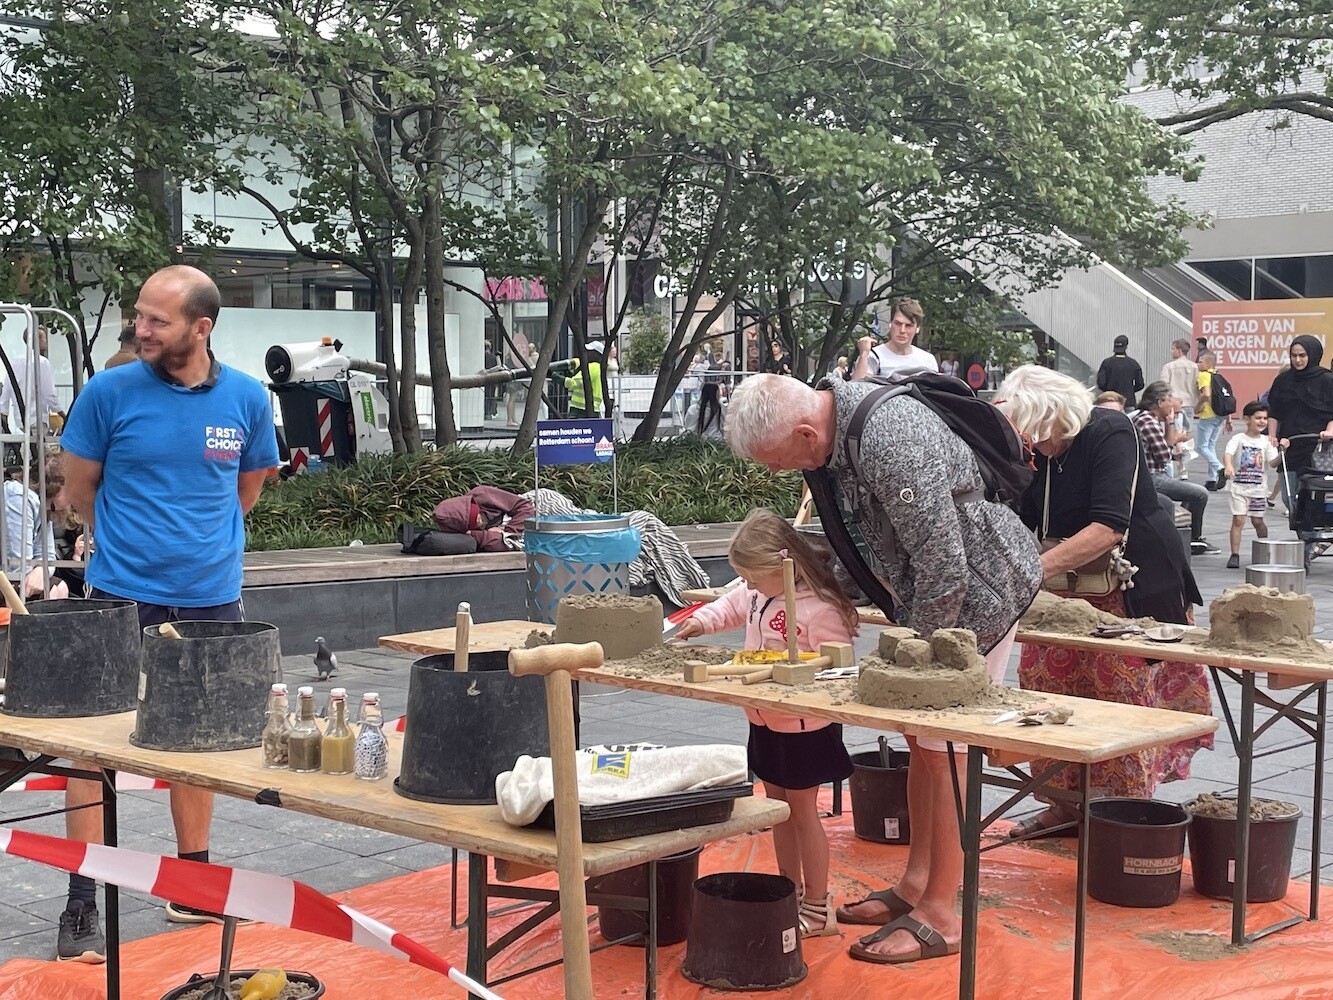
[168, 516]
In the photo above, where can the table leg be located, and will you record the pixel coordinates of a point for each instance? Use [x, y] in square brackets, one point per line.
[109, 837]
[1316, 857]
[970, 829]
[1245, 755]
[478, 870]
[1081, 880]
[650, 946]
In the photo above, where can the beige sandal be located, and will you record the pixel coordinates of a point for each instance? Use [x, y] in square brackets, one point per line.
[818, 919]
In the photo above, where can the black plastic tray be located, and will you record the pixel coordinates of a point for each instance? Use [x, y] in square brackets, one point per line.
[641, 817]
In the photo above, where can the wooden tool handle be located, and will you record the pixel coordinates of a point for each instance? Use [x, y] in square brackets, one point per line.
[462, 636]
[789, 592]
[766, 674]
[16, 605]
[734, 670]
[568, 819]
[557, 656]
[168, 631]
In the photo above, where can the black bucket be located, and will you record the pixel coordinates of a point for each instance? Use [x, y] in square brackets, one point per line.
[1213, 857]
[72, 658]
[208, 689]
[745, 933]
[195, 981]
[675, 884]
[1136, 849]
[464, 729]
[879, 797]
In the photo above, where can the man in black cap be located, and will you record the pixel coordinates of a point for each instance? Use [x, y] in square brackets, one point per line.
[1121, 373]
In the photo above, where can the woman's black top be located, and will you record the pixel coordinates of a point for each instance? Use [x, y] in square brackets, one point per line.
[1301, 405]
[1090, 483]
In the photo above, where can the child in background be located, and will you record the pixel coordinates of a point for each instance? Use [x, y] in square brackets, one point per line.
[1247, 458]
[793, 756]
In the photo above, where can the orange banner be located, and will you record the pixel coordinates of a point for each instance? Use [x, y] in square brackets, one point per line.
[1251, 339]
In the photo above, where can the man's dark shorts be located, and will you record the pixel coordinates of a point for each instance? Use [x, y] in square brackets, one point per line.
[156, 614]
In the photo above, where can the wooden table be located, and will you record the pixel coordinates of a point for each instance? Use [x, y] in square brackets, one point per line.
[1098, 731]
[1305, 677]
[479, 830]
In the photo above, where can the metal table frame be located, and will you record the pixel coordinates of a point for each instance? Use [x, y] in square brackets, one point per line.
[13, 771]
[1315, 725]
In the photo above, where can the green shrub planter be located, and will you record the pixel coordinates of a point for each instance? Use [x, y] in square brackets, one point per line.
[684, 481]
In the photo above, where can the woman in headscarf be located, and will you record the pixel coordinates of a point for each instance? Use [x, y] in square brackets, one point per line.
[1301, 402]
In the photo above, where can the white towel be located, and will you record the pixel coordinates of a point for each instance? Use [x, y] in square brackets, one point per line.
[619, 774]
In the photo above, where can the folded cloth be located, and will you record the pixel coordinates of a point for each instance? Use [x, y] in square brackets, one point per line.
[619, 774]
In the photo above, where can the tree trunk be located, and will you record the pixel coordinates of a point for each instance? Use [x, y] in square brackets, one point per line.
[407, 392]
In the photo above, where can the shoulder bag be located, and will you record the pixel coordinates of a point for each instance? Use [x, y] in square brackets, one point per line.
[1100, 576]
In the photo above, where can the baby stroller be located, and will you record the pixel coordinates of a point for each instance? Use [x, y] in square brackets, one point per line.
[1310, 510]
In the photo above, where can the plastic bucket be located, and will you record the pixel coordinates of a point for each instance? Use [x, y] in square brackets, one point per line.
[1212, 841]
[676, 876]
[573, 554]
[744, 933]
[196, 981]
[72, 658]
[1136, 849]
[879, 797]
[464, 729]
[206, 690]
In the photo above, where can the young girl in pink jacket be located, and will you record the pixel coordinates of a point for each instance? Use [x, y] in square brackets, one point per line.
[793, 756]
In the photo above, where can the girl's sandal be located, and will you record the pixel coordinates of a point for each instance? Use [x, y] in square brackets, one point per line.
[818, 919]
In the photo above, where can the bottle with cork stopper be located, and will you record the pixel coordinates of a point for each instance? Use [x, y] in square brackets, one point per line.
[372, 747]
[303, 746]
[277, 728]
[338, 746]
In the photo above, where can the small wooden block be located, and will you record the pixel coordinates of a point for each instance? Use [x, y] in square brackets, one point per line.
[793, 673]
[516, 871]
[1006, 758]
[1280, 682]
[840, 654]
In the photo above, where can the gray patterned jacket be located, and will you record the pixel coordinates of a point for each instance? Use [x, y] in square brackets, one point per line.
[954, 565]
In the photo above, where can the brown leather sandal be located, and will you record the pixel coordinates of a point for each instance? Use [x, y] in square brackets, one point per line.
[929, 941]
[898, 907]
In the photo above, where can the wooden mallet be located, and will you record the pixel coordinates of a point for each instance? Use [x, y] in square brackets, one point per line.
[555, 663]
[16, 605]
[462, 636]
[789, 592]
[697, 672]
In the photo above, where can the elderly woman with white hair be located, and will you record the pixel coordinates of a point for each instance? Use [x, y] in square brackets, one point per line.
[1099, 520]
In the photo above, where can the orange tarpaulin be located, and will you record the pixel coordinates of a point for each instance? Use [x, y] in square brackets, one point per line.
[1179, 952]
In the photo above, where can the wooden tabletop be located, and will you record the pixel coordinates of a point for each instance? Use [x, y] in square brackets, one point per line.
[1190, 649]
[371, 804]
[1098, 730]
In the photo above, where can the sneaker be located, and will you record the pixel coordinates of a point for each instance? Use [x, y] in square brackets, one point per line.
[1222, 479]
[1233, 562]
[1211, 486]
[81, 938]
[179, 913]
[1201, 547]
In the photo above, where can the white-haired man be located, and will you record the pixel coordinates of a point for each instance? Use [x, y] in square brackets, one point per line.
[970, 564]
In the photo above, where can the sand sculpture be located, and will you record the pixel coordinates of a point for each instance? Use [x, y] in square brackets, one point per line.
[1064, 615]
[909, 672]
[624, 625]
[1264, 621]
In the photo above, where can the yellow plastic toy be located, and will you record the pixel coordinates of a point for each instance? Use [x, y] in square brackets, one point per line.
[264, 985]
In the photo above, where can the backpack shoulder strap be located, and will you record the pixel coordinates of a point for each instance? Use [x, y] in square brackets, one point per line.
[824, 494]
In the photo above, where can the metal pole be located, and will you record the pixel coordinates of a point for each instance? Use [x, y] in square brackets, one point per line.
[971, 837]
[478, 869]
[1081, 880]
[1316, 841]
[109, 837]
[1245, 751]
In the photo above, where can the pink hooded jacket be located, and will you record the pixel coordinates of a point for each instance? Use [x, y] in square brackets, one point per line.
[765, 621]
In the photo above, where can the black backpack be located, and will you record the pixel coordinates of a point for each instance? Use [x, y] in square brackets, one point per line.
[1003, 454]
[1221, 398]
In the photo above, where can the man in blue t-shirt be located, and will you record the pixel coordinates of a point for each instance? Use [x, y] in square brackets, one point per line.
[163, 458]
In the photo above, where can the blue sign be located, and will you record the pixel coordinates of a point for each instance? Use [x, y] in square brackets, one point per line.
[574, 442]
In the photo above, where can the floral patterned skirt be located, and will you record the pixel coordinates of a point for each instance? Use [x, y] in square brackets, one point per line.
[1130, 680]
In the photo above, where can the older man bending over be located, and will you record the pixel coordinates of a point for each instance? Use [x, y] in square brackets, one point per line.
[969, 564]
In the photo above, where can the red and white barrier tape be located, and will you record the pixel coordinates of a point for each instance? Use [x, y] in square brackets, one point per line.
[58, 783]
[219, 889]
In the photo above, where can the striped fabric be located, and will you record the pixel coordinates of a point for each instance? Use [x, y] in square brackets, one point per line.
[663, 559]
[219, 889]
[58, 783]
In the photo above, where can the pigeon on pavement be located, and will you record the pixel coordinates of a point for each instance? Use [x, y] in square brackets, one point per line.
[326, 662]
